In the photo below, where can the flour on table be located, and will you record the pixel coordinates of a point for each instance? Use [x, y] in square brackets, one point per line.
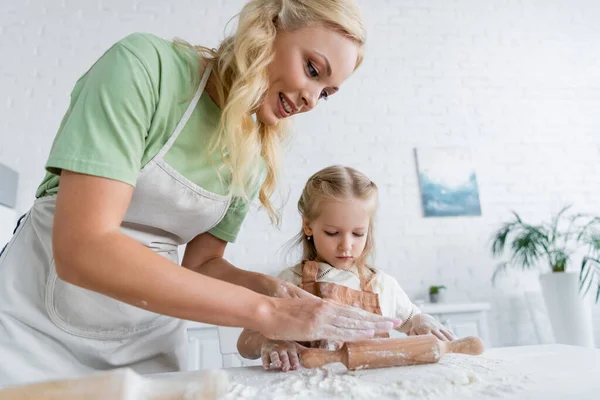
[212, 386]
[207, 385]
[457, 375]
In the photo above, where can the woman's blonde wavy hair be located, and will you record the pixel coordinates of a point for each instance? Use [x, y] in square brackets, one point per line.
[240, 64]
[337, 183]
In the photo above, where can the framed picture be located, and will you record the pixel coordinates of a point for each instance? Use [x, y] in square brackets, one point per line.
[448, 182]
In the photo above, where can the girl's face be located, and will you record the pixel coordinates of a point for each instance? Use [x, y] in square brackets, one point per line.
[309, 64]
[340, 231]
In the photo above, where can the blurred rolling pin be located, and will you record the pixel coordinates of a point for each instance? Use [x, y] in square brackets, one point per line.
[381, 353]
[124, 384]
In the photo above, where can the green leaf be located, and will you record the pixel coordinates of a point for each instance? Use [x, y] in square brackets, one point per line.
[517, 217]
[555, 222]
[594, 242]
[528, 245]
[500, 240]
[583, 264]
[435, 289]
[592, 272]
[584, 280]
[590, 224]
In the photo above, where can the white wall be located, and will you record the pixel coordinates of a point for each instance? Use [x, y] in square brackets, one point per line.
[517, 82]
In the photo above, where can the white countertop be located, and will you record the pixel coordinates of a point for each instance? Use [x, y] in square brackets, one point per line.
[548, 372]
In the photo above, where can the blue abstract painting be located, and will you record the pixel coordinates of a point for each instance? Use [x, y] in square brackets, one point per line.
[448, 182]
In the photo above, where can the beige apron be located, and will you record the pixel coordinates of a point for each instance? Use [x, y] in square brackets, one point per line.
[364, 298]
[51, 329]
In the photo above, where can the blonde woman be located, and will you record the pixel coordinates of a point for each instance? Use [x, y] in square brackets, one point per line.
[338, 206]
[166, 144]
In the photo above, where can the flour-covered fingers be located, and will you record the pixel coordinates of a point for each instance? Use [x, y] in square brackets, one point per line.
[345, 335]
[439, 335]
[306, 320]
[294, 361]
[297, 293]
[285, 360]
[266, 360]
[350, 323]
[448, 334]
[275, 361]
[361, 315]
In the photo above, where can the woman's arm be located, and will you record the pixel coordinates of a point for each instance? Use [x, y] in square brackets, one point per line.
[90, 251]
[204, 254]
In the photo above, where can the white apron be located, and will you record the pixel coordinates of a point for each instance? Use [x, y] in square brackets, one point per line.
[52, 329]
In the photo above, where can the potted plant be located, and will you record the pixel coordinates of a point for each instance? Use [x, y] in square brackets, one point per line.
[436, 294]
[553, 244]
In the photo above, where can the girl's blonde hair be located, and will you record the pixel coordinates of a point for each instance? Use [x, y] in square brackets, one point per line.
[240, 65]
[337, 183]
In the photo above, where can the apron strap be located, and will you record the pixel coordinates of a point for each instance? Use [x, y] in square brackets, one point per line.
[187, 114]
[366, 283]
[310, 270]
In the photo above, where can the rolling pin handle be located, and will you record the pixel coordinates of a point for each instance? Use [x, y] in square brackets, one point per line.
[316, 358]
[469, 345]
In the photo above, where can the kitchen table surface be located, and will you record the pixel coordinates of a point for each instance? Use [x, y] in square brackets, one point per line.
[542, 372]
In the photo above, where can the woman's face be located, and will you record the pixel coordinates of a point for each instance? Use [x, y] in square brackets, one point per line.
[309, 64]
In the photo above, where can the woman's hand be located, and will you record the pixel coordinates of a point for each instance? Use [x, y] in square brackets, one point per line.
[312, 318]
[276, 287]
[280, 354]
[423, 324]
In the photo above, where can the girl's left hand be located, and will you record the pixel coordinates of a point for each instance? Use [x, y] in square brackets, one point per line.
[423, 324]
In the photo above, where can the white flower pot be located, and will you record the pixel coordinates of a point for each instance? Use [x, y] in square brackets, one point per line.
[439, 297]
[570, 314]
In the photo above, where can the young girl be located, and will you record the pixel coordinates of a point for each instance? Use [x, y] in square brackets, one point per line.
[338, 206]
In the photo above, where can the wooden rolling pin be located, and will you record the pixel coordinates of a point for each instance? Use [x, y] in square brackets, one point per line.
[125, 384]
[381, 353]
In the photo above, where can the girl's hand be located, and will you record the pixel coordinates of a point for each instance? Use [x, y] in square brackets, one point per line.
[330, 344]
[280, 354]
[423, 324]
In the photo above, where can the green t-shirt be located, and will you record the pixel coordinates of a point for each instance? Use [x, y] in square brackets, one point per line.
[125, 108]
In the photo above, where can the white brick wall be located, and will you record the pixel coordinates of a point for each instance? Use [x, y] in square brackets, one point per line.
[517, 82]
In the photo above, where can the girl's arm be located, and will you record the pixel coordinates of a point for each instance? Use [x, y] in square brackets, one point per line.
[251, 342]
[283, 355]
[253, 345]
[204, 254]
